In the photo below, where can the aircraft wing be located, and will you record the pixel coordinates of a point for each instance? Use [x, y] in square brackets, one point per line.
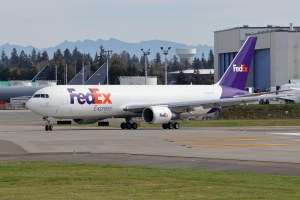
[266, 93]
[189, 105]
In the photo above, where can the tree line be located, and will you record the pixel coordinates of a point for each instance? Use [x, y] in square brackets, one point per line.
[22, 66]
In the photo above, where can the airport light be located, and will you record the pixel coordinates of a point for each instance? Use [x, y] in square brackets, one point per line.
[165, 52]
[146, 53]
[107, 54]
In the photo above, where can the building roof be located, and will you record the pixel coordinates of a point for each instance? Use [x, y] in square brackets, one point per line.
[193, 71]
[268, 27]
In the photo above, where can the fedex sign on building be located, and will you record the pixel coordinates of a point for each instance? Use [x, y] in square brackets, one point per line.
[92, 97]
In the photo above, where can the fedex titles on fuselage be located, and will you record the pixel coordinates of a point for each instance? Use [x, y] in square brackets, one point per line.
[92, 97]
[242, 68]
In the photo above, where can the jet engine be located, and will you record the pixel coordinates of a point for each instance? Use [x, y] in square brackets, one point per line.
[85, 121]
[157, 115]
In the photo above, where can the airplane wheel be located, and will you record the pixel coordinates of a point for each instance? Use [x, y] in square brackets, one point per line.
[123, 125]
[134, 125]
[176, 125]
[170, 125]
[128, 125]
[165, 126]
[267, 101]
[50, 128]
[47, 128]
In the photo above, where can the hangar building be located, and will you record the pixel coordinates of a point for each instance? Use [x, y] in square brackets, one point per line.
[276, 59]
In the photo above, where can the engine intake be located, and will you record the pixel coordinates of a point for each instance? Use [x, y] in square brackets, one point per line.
[157, 115]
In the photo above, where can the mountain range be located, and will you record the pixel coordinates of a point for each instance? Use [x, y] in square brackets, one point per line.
[117, 46]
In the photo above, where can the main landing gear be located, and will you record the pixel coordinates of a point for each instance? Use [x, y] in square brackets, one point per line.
[129, 125]
[48, 126]
[133, 125]
[171, 125]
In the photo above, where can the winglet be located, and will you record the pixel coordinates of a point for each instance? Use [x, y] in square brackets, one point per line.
[237, 73]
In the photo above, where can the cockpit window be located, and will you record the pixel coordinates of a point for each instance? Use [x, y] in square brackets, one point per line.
[41, 96]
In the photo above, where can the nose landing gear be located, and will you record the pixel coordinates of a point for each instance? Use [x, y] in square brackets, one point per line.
[48, 125]
[48, 128]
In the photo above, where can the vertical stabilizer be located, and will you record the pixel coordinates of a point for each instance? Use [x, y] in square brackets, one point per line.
[237, 73]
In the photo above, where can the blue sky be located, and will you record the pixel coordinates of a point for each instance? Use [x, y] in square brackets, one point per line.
[45, 23]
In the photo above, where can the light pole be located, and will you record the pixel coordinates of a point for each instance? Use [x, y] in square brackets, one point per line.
[56, 74]
[146, 53]
[165, 52]
[107, 54]
[82, 73]
[66, 74]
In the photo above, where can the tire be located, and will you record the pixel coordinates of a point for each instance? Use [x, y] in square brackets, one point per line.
[128, 125]
[176, 125]
[46, 128]
[170, 125]
[165, 126]
[134, 125]
[123, 125]
[267, 102]
[50, 128]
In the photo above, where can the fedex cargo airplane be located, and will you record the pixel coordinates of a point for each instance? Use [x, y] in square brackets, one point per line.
[156, 104]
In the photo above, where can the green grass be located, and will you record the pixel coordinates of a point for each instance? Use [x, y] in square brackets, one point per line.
[235, 123]
[227, 123]
[41, 180]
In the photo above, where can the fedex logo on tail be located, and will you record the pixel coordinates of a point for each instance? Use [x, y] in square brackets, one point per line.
[92, 97]
[242, 68]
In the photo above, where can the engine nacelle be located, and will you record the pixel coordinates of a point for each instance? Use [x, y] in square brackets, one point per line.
[157, 115]
[85, 121]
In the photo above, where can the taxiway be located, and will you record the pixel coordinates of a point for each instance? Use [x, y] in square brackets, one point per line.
[269, 150]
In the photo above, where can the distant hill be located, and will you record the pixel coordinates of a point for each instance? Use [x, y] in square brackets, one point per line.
[91, 47]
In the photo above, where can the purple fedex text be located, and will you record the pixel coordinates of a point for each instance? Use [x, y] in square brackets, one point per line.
[92, 97]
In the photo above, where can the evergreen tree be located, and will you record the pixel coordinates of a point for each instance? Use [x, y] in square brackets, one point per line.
[33, 56]
[67, 55]
[58, 57]
[175, 64]
[196, 63]
[210, 60]
[24, 61]
[135, 62]
[96, 58]
[4, 59]
[14, 58]
[157, 59]
[44, 56]
[203, 62]
[39, 57]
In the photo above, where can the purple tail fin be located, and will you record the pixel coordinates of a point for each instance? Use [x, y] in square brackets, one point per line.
[237, 73]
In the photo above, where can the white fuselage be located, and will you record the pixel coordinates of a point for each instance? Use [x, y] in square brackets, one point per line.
[110, 100]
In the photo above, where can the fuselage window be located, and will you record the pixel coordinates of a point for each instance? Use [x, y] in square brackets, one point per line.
[41, 96]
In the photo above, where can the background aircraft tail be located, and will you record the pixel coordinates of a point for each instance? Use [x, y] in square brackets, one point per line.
[237, 73]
